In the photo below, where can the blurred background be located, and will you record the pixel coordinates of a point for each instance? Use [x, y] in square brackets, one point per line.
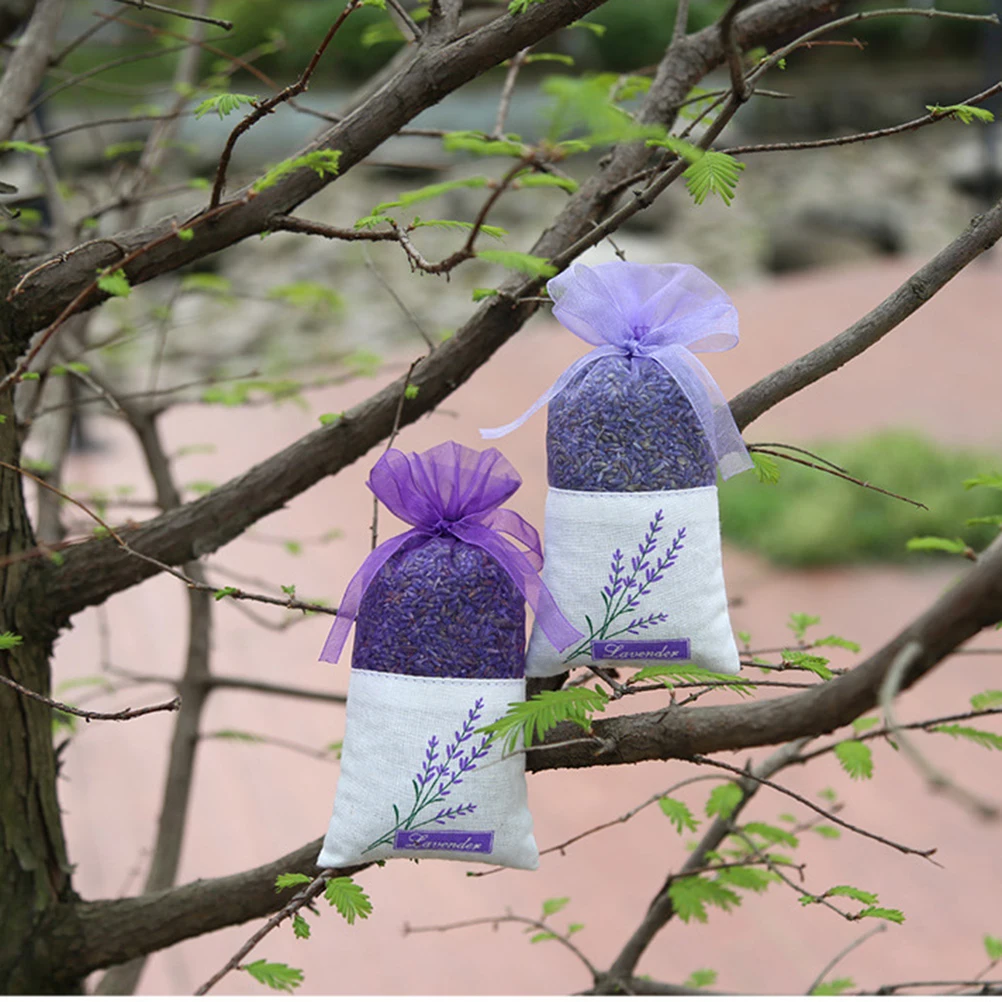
[257, 344]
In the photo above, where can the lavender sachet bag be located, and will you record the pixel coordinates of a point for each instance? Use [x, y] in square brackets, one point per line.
[439, 616]
[637, 429]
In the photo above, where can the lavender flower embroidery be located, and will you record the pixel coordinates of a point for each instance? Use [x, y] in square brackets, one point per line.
[622, 594]
[440, 773]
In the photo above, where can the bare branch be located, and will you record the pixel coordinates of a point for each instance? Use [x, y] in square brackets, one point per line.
[28, 64]
[842, 954]
[938, 781]
[127, 714]
[980, 236]
[187, 15]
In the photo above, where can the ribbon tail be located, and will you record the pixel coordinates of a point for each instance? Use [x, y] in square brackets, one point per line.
[710, 406]
[357, 586]
[559, 631]
[568, 374]
[512, 524]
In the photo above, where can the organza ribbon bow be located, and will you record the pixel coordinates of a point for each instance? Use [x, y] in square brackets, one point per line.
[456, 491]
[665, 312]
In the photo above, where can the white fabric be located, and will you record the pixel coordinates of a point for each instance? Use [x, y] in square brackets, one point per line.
[390, 767]
[672, 537]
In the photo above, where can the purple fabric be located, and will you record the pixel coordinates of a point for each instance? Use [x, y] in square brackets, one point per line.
[665, 312]
[453, 490]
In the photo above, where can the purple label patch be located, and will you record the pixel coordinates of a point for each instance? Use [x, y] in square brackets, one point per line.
[641, 650]
[482, 842]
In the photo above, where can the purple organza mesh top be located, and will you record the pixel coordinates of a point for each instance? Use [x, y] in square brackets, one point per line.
[443, 608]
[624, 424]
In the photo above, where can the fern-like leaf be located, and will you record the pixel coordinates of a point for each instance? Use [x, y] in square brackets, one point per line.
[993, 742]
[533, 718]
[713, 174]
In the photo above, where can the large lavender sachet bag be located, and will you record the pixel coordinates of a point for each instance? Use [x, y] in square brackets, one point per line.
[439, 616]
[637, 429]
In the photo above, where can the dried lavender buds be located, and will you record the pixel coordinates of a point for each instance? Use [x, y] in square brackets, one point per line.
[626, 425]
[443, 608]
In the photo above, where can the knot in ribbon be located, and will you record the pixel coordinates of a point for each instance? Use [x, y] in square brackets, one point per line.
[664, 312]
[456, 491]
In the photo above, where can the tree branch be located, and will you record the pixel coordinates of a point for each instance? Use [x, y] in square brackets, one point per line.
[982, 234]
[127, 714]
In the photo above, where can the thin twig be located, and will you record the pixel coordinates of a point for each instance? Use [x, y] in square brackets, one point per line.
[835, 473]
[739, 86]
[409, 22]
[806, 452]
[187, 15]
[891, 989]
[907, 850]
[89, 715]
[508, 89]
[842, 954]
[299, 900]
[251, 737]
[496, 920]
[292, 224]
[268, 106]
[404, 309]
[938, 781]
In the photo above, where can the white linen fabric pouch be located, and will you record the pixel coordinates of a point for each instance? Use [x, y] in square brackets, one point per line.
[640, 574]
[418, 780]
[636, 432]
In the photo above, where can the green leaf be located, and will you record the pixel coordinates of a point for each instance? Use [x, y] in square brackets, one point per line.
[116, 150]
[984, 480]
[713, 173]
[670, 674]
[481, 144]
[554, 905]
[966, 113]
[528, 264]
[598, 30]
[8, 640]
[702, 978]
[723, 800]
[300, 927]
[766, 468]
[19, 146]
[801, 622]
[988, 698]
[372, 221]
[546, 181]
[224, 592]
[993, 947]
[278, 976]
[411, 391]
[827, 831]
[772, 834]
[223, 104]
[479, 294]
[890, 914]
[348, 898]
[861, 724]
[232, 735]
[330, 418]
[847, 891]
[828, 794]
[995, 520]
[323, 162]
[311, 296]
[678, 814]
[496, 232]
[682, 149]
[381, 4]
[574, 927]
[993, 742]
[855, 758]
[294, 547]
[938, 543]
[534, 717]
[541, 936]
[115, 283]
[428, 192]
[835, 641]
[549, 57]
[810, 662]
[749, 878]
[205, 281]
[284, 880]
[690, 895]
[837, 986]
[520, 6]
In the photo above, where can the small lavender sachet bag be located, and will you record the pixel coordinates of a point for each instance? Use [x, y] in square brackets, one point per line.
[636, 431]
[439, 617]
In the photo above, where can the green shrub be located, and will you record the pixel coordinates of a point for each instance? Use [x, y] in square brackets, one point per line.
[812, 519]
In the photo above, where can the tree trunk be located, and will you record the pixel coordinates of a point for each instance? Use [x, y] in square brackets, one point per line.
[34, 872]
